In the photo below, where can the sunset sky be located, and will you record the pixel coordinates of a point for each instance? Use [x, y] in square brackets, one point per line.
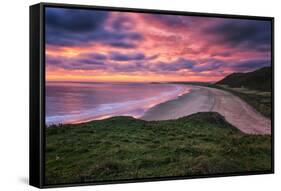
[91, 45]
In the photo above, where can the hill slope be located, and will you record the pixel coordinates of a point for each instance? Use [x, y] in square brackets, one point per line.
[256, 80]
[121, 148]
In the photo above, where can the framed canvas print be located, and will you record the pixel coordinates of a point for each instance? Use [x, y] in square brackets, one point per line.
[127, 95]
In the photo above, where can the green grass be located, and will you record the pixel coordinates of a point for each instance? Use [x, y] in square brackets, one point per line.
[259, 79]
[126, 148]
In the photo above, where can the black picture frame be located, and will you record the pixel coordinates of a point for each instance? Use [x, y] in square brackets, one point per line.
[37, 92]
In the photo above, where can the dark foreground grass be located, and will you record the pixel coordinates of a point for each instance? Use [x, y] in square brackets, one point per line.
[127, 148]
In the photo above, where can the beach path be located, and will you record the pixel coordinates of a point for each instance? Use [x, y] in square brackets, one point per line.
[205, 99]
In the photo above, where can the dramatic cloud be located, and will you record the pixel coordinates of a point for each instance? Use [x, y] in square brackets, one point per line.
[72, 26]
[69, 27]
[209, 65]
[95, 45]
[95, 56]
[131, 56]
[242, 33]
[122, 23]
[174, 66]
[250, 64]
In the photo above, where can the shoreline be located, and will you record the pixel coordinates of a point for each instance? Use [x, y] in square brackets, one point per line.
[127, 106]
[205, 99]
[173, 109]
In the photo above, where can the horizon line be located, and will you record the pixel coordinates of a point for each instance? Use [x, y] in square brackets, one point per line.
[71, 81]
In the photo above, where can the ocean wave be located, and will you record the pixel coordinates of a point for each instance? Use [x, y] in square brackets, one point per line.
[135, 108]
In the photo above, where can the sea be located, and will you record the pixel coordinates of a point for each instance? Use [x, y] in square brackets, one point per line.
[76, 102]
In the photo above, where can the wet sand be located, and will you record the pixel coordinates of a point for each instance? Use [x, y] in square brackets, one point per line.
[203, 99]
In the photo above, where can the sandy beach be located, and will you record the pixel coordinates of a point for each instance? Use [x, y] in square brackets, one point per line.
[204, 99]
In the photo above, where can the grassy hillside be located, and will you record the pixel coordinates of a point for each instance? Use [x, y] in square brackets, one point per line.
[256, 80]
[124, 148]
